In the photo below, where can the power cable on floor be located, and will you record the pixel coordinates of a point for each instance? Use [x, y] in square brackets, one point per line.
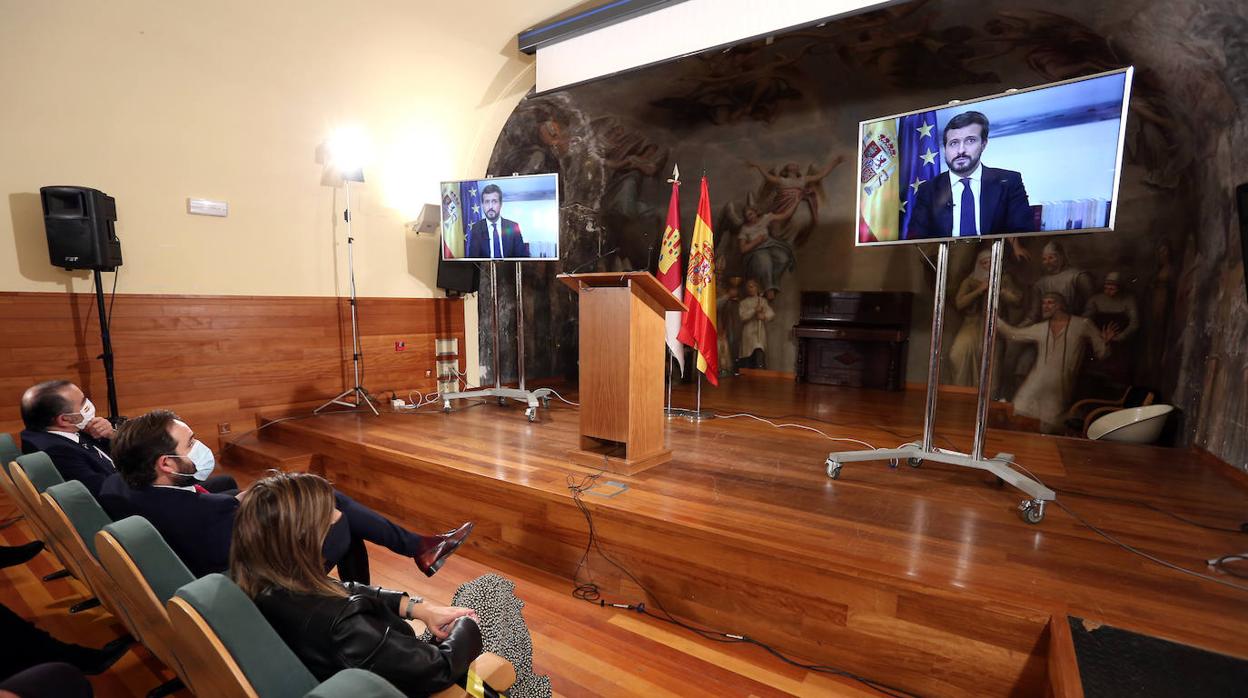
[590, 592]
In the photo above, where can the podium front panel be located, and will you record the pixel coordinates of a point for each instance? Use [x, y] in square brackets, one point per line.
[604, 368]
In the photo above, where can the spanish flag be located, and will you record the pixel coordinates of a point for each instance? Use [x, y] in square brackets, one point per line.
[699, 330]
[669, 271]
[452, 222]
[879, 217]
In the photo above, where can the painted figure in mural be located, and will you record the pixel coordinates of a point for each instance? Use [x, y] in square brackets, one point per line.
[983, 201]
[746, 82]
[964, 354]
[1074, 284]
[1160, 302]
[755, 313]
[1114, 310]
[794, 198]
[633, 168]
[764, 257]
[495, 236]
[727, 309]
[1061, 343]
[1057, 276]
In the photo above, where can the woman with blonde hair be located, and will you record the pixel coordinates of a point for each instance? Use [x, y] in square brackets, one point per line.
[276, 558]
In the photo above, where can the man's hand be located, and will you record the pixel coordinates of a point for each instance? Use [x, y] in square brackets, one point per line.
[440, 618]
[99, 428]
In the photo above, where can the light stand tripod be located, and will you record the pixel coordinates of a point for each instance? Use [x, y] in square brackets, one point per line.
[361, 395]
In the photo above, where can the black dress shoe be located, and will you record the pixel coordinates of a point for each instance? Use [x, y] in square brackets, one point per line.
[435, 549]
[19, 554]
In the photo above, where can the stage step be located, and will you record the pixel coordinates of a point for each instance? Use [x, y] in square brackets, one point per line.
[253, 455]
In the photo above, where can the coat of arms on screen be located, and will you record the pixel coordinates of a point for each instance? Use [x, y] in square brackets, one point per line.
[450, 209]
[879, 159]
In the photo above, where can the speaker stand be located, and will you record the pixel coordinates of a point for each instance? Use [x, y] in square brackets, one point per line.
[106, 342]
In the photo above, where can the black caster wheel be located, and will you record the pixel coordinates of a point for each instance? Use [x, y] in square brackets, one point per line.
[531, 413]
[914, 462]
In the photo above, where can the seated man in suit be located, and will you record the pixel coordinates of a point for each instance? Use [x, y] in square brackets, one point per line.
[494, 236]
[157, 457]
[971, 198]
[60, 421]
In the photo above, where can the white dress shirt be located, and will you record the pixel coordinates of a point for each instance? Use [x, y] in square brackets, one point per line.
[955, 182]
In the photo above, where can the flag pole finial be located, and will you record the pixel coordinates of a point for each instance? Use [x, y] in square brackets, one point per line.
[675, 175]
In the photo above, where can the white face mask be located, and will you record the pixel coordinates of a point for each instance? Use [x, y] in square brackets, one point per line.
[203, 459]
[85, 415]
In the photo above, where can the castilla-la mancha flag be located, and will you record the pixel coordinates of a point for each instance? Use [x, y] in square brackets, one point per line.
[669, 272]
[699, 330]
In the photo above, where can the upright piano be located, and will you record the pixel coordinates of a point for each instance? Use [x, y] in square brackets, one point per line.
[853, 338]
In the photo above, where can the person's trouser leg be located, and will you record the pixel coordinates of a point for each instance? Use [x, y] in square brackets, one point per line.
[26, 645]
[52, 680]
[375, 528]
[428, 551]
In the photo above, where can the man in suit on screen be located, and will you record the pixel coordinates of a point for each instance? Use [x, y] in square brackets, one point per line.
[495, 237]
[970, 198]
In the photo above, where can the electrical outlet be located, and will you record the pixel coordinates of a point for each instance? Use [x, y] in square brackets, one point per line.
[223, 428]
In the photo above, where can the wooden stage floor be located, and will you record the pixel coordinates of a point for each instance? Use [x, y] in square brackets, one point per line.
[922, 578]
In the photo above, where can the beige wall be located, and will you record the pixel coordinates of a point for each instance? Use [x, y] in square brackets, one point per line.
[154, 101]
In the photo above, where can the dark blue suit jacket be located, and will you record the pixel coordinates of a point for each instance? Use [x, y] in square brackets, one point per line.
[1003, 206]
[511, 238]
[197, 526]
[74, 461]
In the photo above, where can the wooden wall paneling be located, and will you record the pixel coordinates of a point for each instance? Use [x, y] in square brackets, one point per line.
[217, 359]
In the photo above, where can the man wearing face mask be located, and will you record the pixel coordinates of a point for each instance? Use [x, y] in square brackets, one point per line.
[61, 421]
[159, 463]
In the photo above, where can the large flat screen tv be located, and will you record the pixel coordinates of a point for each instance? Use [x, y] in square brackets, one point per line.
[514, 218]
[1044, 160]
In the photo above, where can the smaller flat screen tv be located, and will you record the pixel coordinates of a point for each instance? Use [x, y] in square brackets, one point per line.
[1043, 161]
[511, 218]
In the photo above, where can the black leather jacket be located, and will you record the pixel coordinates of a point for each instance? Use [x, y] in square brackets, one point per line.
[364, 630]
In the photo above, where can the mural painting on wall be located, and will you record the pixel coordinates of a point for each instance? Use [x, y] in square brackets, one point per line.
[772, 123]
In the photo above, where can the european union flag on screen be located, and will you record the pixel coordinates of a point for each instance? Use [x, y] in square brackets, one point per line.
[471, 196]
[919, 159]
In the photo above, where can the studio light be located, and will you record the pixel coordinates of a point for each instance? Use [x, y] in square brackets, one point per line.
[349, 150]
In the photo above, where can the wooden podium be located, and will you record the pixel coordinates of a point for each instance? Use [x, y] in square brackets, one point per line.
[622, 359]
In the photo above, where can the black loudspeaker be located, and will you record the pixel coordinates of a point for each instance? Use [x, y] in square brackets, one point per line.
[79, 224]
[1241, 202]
[458, 278]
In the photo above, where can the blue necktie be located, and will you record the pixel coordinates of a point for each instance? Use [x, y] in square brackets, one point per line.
[967, 208]
[498, 242]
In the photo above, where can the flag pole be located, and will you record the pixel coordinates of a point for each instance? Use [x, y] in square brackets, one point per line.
[671, 361]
